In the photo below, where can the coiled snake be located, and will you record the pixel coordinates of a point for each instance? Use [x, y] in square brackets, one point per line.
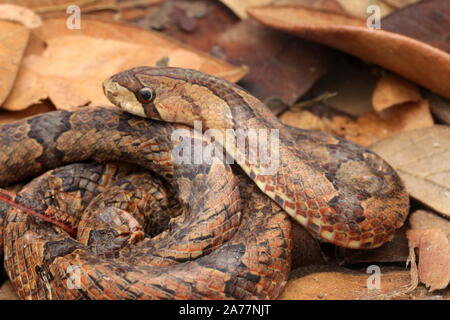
[178, 230]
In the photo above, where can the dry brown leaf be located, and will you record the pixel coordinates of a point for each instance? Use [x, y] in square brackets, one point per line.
[422, 159]
[434, 250]
[20, 14]
[431, 65]
[393, 90]
[337, 283]
[13, 41]
[434, 253]
[72, 76]
[54, 28]
[368, 128]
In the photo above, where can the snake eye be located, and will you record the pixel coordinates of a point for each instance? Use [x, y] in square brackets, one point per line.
[146, 94]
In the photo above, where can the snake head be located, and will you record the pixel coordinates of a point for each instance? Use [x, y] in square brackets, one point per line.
[127, 92]
[170, 94]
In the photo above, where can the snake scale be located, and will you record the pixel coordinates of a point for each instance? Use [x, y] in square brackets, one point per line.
[130, 222]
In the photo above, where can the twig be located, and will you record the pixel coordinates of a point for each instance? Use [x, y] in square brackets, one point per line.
[322, 98]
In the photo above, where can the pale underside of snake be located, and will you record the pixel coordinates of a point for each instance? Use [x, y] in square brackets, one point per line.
[212, 233]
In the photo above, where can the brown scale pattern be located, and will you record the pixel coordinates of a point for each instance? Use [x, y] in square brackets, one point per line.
[39, 258]
[206, 253]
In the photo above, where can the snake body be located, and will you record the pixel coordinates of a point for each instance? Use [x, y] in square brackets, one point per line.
[357, 205]
[225, 238]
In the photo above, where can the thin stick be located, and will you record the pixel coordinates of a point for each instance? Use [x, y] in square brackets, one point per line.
[8, 198]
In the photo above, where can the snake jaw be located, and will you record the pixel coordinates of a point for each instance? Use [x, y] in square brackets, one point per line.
[123, 98]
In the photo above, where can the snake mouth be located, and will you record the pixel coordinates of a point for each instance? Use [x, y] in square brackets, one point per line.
[122, 97]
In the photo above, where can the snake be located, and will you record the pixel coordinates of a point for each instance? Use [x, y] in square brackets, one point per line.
[113, 214]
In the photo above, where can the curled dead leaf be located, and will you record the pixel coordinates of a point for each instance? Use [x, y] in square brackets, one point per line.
[434, 250]
[392, 90]
[434, 253]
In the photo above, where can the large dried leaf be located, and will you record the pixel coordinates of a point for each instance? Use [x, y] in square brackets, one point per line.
[13, 41]
[414, 60]
[422, 159]
[71, 76]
